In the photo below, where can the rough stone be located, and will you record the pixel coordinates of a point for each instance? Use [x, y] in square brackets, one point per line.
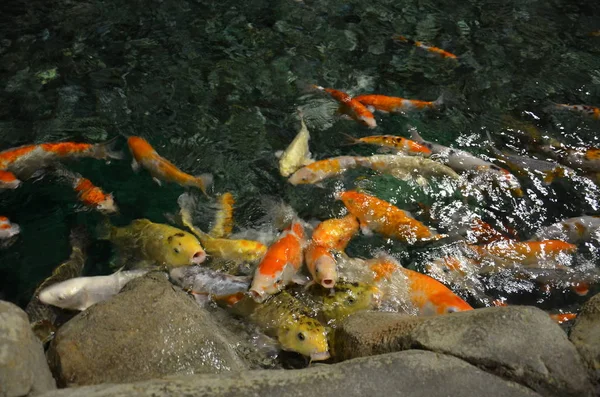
[585, 335]
[409, 374]
[150, 329]
[519, 343]
[23, 367]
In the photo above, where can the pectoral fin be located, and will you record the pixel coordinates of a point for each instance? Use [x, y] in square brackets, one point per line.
[135, 166]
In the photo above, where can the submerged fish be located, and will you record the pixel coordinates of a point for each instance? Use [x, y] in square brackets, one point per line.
[572, 230]
[587, 159]
[162, 169]
[24, 161]
[321, 264]
[149, 244]
[280, 264]
[203, 281]
[90, 195]
[8, 229]
[406, 167]
[8, 180]
[45, 319]
[390, 104]
[590, 111]
[238, 251]
[320, 170]
[393, 142]
[526, 253]
[428, 48]
[350, 107]
[82, 292]
[297, 154]
[347, 298]
[223, 225]
[386, 219]
[286, 318]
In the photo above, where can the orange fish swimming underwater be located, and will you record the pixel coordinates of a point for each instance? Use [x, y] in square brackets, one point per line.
[386, 219]
[280, 264]
[390, 104]
[428, 48]
[350, 106]
[90, 195]
[393, 142]
[526, 253]
[590, 111]
[24, 161]
[160, 168]
[8, 180]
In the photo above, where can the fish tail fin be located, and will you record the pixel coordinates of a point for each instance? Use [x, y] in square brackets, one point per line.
[349, 140]
[106, 150]
[445, 99]
[187, 203]
[204, 182]
[104, 230]
[414, 134]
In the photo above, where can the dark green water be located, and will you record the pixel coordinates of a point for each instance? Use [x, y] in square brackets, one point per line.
[214, 87]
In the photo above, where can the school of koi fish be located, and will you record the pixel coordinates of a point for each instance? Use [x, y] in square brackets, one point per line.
[298, 282]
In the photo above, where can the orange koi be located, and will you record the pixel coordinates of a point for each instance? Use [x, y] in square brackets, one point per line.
[8, 180]
[224, 218]
[428, 48]
[563, 317]
[323, 169]
[390, 104]
[7, 228]
[591, 111]
[386, 219]
[526, 253]
[24, 161]
[160, 168]
[350, 106]
[89, 194]
[394, 142]
[321, 264]
[280, 264]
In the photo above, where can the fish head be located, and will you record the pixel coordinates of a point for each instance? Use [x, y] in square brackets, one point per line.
[66, 295]
[264, 285]
[139, 147]
[348, 298]
[367, 120]
[305, 176]
[446, 302]
[326, 271]
[304, 335]
[183, 249]
[108, 205]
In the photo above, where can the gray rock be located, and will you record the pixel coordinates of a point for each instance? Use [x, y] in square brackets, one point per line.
[409, 374]
[585, 335]
[518, 343]
[150, 329]
[23, 367]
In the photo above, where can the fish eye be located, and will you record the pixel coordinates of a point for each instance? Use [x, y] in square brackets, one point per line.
[301, 336]
[446, 270]
[351, 301]
[317, 270]
[176, 250]
[451, 309]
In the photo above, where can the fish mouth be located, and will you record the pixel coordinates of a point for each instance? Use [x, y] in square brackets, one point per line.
[320, 356]
[198, 257]
[257, 296]
[328, 283]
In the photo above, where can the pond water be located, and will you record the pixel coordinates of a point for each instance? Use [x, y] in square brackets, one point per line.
[214, 86]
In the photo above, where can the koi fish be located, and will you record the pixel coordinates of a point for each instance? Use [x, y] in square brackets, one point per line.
[160, 168]
[481, 232]
[320, 170]
[8, 180]
[430, 49]
[526, 253]
[321, 264]
[201, 281]
[390, 104]
[386, 219]
[406, 167]
[590, 111]
[563, 317]
[79, 293]
[297, 153]
[280, 264]
[335, 233]
[8, 229]
[223, 225]
[90, 195]
[587, 159]
[399, 143]
[238, 251]
[286, 318]
[25, 161]
[350, 106]
[460, 161]
[572, 230]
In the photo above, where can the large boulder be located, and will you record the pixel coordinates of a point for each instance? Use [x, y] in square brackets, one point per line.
[150, 329]
[585, 335]
[519, 343]
[408, 374]
[23, 367]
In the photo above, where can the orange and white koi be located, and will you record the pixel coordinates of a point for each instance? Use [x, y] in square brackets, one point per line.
[8, 180]
[223, 225]
[25, 161]
[587, 159]
[428, 48]
[350, 106]
[386, 219]
[590, 111]
[572, 230]
[406, 167]
[280, 264]
[427, 294]
[390, 104]
[90, 195]
[329, 235]
[8, 229]
[320, 170]
[393, 142]
[526, 253]
[160, 168]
